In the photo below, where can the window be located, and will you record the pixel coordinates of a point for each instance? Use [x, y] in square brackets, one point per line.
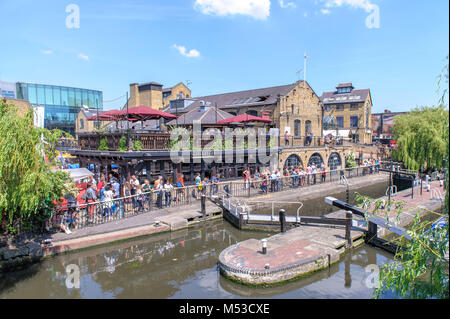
[81, 124]
[85, 97]
[353, 121]
[57, 95]
[77, 97]
[367, 117]
[32, 96]
[297, 128]
[252, 112]
[354, 106]
[40, 95]
[344, 90]
[327, 107]
[307, 127]
[49, 95]
[340, 121]
[91, 100]
[64, 96]
[292, 107]
[71, 97]
[340, 107]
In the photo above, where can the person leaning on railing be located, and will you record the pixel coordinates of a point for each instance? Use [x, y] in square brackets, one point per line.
[91, 197]
[159, 188]
[127, 196]
[168, 188]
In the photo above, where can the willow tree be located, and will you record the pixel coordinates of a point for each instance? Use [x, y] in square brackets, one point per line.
[421, 269]
[28, 185]
[422, 137]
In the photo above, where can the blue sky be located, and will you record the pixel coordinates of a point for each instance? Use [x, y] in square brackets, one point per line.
[229, 45]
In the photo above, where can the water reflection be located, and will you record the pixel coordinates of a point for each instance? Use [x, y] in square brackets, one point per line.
[181, 264]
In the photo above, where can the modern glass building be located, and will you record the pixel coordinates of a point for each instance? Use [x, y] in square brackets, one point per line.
[61, 104]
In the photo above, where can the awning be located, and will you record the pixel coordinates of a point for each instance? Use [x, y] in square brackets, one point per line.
[341, 133]
[78, 173]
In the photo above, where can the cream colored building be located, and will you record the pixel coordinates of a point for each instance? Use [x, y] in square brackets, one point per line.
[83, 125]
[179, 91]
[348, 112]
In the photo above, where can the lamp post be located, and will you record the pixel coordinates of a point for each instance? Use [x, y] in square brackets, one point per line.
[421, 174]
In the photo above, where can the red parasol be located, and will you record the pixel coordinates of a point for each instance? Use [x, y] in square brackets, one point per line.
[143, 113]
[105, 116]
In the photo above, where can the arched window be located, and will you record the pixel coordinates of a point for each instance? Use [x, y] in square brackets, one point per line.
[334, 161]
[293, 160]
[316, 159]
[307, 127]
[297, 128]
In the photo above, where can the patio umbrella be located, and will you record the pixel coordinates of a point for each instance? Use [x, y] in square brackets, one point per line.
[110, 115]
[143, 113]
[244, 118]
[105, 116]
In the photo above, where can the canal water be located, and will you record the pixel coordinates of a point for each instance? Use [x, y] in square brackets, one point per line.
[183, 264]
[318, 207]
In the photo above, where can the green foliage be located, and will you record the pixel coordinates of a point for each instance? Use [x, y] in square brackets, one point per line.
[103, 145]
[122, 147]
[422, 137]
[421, 270]
[137, 145]
[350, 161]
[27, 183]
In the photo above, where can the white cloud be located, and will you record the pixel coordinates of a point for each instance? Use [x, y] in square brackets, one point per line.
[287, 5]
[258, 9]
[191, 54]
[46, 51]
[325, 11]
[367, 5]
[83, 57]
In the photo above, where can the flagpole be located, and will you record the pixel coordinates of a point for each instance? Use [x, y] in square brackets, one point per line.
[128, 127]
[304, 70]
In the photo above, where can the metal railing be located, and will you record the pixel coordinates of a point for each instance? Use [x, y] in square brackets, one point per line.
[90, 212]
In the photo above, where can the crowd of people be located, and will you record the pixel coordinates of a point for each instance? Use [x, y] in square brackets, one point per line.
[102, 196]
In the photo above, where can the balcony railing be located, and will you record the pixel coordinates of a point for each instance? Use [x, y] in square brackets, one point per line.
[148, 141]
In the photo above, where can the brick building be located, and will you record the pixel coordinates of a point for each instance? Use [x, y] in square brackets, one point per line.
[295, 108]
[179, 91]
[152, 94]
[348, 112]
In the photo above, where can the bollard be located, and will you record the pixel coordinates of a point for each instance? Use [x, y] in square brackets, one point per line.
[203, 204]
[348, 225]
[282, 214]
[264, 246]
